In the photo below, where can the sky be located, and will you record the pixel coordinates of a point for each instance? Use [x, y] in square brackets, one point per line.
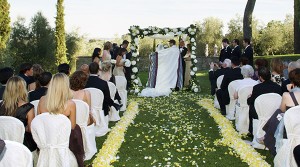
[105, 19]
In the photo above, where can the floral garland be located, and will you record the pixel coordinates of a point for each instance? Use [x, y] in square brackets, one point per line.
[232, 139]
[107, 154]
[136, 32]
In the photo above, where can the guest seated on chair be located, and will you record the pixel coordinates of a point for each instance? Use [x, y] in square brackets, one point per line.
[247, 72]
[257, 65]
[214, 74]
[43, 80]
[229, 76]
[277, 71]
[37, 70]
[266, 86]
[77, 83]
[291, 66]
[26, 72]
[58, 100]
[64, 68]
[5, 74]
[15, 104]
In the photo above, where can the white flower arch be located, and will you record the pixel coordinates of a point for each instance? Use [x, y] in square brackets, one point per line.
[136, 32]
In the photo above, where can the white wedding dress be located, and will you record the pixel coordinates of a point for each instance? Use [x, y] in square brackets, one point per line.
[167, 72]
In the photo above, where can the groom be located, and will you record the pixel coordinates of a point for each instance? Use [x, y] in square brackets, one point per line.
[183, 51]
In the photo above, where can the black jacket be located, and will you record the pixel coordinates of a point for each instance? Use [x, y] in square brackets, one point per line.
[37, 94]
[236, 52]
[1, 92]
[96, 82]
[248, 52]
[225, 54]
[213, 76]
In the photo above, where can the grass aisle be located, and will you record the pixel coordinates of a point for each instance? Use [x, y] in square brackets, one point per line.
[174, 131]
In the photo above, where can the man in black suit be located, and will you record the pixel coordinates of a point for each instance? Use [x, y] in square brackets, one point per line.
[213, 75]
[233, 74]
[226, 51]
[44, 80]
[267, 86]
[236, 51]
[248, 51]
[95, 82]
[183, 51]
[5, 74]
[64, 68]
[26, 72]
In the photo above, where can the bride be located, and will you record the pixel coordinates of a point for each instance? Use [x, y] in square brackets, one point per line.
[165, 72]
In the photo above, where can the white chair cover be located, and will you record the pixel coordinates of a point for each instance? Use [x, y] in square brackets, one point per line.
[52, 134]
[219, 82]
[15, 154]
[242, 110]
[285, 156]
[121, 84]
[265, 106]
[11, 129]
[97, 97]
[88, 133]
[35, 103]
[113, 113]
[230, 110]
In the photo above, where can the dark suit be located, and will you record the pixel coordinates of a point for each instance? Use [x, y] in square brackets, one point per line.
[225, 54]
[236, 52]
[96, 82]
[183, 51]
[28, 79]
[284, 84]
[223, 94]
[128, 71]
[37, 94]
[248, 53]
[213, 76]
[1, 92]
[259, 89]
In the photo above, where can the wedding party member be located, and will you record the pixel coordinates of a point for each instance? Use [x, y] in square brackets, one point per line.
[233, 74]
[183, 52]
[214, 74]
[266, 86]
[105, 73]
[277, 71]
[95, 82]
[248, 51]
[236, 51]
[58, 100]
[77, 83]
[5, 74]
[64, 68]
[120, 62]
[96, 55]
[37, 70]
[26, 72]
[291, 66]
[226, 51]
[188, 65]
[15, 104]
[44, 79]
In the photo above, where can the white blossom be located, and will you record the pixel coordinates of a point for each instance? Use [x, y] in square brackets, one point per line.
[136, 81]
[193, 56]
[192, 39]
[193, 48]
[135, 70]
[132, 76]
[195, 61]
[133, 62]
[134, 54]
[195, 69]
[196, 90]
[192, 73]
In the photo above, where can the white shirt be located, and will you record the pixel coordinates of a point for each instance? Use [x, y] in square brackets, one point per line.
[245, 82]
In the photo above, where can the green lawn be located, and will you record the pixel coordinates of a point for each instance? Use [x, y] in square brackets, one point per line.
[174, 131]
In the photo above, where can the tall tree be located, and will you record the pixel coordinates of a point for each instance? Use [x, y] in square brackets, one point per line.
[247, 22]
[297, 26]
[60, 35]
[4, 23]
[235, 28]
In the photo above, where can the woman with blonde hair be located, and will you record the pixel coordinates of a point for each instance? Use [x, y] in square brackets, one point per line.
[15, 104]
[106, 56]
[58, 100]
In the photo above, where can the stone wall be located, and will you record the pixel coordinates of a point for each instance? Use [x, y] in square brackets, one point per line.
[143, 64]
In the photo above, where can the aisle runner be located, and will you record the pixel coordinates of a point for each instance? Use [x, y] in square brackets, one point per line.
[107, 154]
[231, 138]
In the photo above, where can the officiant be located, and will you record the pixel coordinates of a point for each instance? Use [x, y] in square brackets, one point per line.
[183, 51]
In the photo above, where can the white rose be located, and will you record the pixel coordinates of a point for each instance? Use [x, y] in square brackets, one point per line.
[138, 60]
[193, 56]
[192, 39]
[136, 90]
[179, 33]
[132, 28]
[133, 34]
[112, 61]
[195, 61]
[192, 33]
[171, 33]
[192, 73]
[136, 40]
[190, 29]
[136, 81]
[132, 48]
[127, 63]
[132, 76]
[166, 30]
[193, 48]
[193, 52]
[196, 90]
[195, 44]
[137, 31]
[134, 54]
[135, 70]
[195, 69]
[175, 30]
[133, 62]
[182, 29]
[145, 32]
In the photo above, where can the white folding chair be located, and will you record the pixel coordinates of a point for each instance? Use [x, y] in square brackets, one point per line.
[242, 110]
[97, 97]
[285, 156]
[35, 103]
[88, 134]
[121, 84]
[219, 82]
[51, 133]
[11, 129]
[113, 113]
[265, 106]
[15, 154]
[230, 108]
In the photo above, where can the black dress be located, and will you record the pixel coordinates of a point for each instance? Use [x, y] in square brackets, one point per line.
[21, 115]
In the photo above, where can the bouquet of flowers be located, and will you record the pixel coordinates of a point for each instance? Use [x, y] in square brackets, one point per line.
[127, 63]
